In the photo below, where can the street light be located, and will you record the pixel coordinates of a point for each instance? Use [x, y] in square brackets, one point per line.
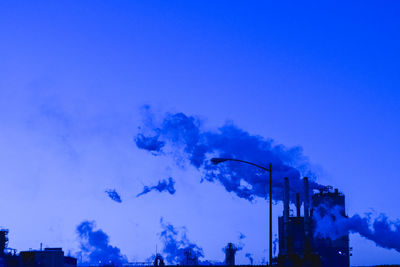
[221, 160]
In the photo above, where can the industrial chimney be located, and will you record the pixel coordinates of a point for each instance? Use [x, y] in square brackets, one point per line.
[286, 199]
[307, 231]
[230, 251]
[306, 199]
[298, 204]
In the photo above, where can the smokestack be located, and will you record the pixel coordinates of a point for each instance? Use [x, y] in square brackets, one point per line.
[298, 204]
[286, 201]
[286, 215]
[307, 245]
[306, 199]
[230, 251]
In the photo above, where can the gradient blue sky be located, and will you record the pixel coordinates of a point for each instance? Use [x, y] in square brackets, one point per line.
[74, 74]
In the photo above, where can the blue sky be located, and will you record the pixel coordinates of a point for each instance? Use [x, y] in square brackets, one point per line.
[73, 76]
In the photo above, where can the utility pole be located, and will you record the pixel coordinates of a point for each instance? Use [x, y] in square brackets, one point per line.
[270, 214]
[220, 160]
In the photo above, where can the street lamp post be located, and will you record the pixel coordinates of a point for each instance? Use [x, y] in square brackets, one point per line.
[269, 170]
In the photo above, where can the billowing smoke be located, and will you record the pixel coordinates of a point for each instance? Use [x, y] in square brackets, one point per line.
[241, 236]
[95, 246]
[149, 143]
[240, 244]
[178, 249]
[275, 244]
[114, 195]
[163, 185]
[250, 257]
[182, 136]
[331, 223]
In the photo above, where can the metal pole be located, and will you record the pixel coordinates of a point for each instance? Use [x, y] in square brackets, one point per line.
[270, 214]
[220, 160]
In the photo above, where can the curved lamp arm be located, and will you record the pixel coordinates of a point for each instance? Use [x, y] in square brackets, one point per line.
[220, 160]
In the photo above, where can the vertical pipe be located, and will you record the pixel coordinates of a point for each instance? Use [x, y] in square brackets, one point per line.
[286, 216]
[270, 214]
[306, 218]
[286, 200]
[298, 204]
[306, 199]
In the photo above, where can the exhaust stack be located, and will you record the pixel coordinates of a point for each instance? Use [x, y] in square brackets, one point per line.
[307, 245]
[286, 215]
[298, 204]
[286, 201]
[306, 199]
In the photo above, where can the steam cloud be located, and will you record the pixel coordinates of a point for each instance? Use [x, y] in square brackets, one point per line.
[114, 195]
[181, 135]
[250, 257]
[275, 244]
[330, 223]
[163, 185]
[149, 143]
[96, 248]
[177, 246]
[241, 236]
[240, 245]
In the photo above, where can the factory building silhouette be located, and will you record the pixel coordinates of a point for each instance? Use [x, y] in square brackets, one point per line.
[299, 246]
[298, 243]
[49, 257]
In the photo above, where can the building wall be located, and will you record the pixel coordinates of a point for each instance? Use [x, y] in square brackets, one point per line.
[333, 253]
[50, 257]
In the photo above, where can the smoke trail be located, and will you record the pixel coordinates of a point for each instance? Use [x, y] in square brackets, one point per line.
[250, 257]
[241, 236]
[240, 245]
[96, 248]
[114, 195]
[149, 143]
[330, 223]
[177, 247]
[275, 244]
[163, 185]
[181, 136]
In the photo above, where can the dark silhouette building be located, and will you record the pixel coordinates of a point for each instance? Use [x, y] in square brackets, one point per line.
[49, 257]
[3, 241]
[230, 251]
[332, 252]
[159, 261]
[190, 258]
[298, 245]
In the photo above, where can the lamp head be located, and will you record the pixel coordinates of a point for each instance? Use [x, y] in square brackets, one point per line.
[218, 160]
